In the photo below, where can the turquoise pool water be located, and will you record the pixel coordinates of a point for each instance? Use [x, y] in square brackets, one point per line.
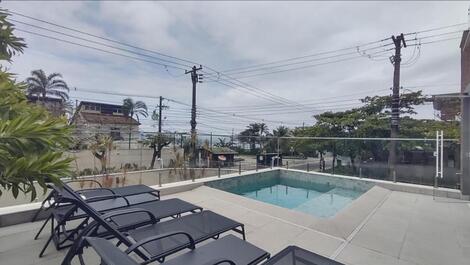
[320, 200]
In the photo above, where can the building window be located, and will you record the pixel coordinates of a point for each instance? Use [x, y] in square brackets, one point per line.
[92, 107]
[116, 134]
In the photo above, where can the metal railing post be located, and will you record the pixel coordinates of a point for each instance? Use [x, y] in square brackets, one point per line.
[308, 167]
[287, 164]
[360, 172]
[256, 166]
[218, 170]
[159, 179]
[239, 168]
[394, 176]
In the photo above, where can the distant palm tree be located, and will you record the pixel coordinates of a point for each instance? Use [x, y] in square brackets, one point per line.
[41, 85]
[131, 108]
[281, 131]
[253, 134]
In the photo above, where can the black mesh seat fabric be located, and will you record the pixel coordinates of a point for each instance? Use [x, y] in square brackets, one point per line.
[160, 209]
[229, 247]
[123, 191]
[109, 254]
[199, 226]
[299, 256]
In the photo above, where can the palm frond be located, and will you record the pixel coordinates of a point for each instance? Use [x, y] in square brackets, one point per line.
[53, 76]
[59, 84]
[63, 95]
[10, 44]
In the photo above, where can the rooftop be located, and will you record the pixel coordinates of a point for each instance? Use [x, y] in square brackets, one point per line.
[382, 227]
[102, 118]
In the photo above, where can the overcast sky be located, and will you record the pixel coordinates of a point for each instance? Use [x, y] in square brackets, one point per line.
[226, 35]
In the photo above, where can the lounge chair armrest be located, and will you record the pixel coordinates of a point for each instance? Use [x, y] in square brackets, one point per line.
[95, 189]
[84, 180]
[107, 197]
[134, 246]
[219, 261]
[129, 211]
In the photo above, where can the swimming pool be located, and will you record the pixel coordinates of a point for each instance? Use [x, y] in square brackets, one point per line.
[316, 195]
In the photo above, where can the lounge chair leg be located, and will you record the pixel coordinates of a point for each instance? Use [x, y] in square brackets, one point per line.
[45, 246]
[243, 232]
[42, 227]
[82, 262]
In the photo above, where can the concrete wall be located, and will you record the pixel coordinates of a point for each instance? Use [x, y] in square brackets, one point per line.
[119, 157]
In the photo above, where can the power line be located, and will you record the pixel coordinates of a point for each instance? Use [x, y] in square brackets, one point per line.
[95, 48]
[302, 62]
[101, 37]
[106, 45]
[300, 57]
[334, 51]
[309, 66]
[435, 29]
[266, 94]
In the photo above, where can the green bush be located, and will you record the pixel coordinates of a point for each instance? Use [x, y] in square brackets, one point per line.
[31, 141]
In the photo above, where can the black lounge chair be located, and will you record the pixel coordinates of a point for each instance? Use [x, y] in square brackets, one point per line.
[71, 209]
[295, 255]
[227, 250]
[134, 193]
[199, 226]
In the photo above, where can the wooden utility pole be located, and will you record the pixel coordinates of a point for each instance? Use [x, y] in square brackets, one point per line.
[160, 106]
[395, 117]
[160, 142]
[195, 80]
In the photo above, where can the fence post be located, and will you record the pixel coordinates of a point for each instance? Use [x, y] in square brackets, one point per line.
[360, 172]
[287, 164]
[239, 168]
[394, 176]
[308, 167]
[218, 170]
[256, 166]
[159, 179]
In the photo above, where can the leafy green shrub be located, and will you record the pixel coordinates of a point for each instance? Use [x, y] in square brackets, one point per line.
[31, 141]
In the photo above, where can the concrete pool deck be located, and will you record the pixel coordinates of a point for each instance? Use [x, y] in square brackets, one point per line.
[381, 227]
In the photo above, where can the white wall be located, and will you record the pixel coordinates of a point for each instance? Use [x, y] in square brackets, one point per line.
[119, 157]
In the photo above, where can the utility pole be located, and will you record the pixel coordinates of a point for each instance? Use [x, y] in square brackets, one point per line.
[160, 116]
[160, 142]
[195, 78]
[395, 117]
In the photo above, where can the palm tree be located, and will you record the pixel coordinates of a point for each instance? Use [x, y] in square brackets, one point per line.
[224, 143]
[42, 85]
[253, 133]
[281, 131]
[131, 108]
[9, 43]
